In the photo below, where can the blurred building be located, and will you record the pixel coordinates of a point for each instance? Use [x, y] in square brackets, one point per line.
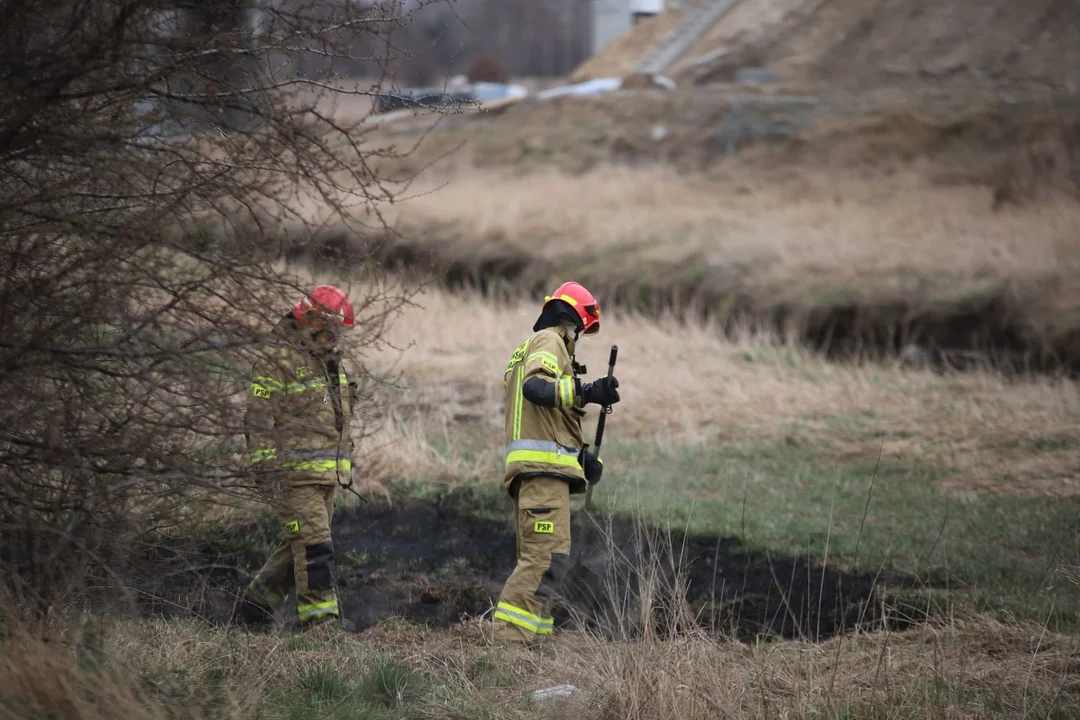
[612, 18]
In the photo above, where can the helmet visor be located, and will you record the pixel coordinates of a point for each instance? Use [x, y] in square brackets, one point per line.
[592, 319]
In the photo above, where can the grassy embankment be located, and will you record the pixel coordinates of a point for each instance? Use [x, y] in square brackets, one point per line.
[858, 222]
[839, 261]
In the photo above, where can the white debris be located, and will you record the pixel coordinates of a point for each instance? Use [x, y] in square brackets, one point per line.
[664, 81]
[589, 87]
[486, 92]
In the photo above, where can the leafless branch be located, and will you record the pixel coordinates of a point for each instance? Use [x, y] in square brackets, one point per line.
[149, 153]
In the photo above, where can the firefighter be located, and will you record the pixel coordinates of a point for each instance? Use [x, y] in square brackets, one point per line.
[546, 461]
[297, 430]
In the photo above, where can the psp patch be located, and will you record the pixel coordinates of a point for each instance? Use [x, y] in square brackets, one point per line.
[292, 527]
[550, 366]
[544, 527]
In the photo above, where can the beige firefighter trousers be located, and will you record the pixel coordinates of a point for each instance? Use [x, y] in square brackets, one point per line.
[542, 528]
[305, 557]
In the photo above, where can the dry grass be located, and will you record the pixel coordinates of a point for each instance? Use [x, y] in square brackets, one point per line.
[959, 670]
[909, 675]
[682, 384]
[777, 229]
[688, 385]
[74, 680]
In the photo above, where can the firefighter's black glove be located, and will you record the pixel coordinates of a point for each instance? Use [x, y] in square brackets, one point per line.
[601, 391]
[594, 468]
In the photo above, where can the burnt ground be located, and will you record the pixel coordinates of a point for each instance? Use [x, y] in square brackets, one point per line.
[440, 561]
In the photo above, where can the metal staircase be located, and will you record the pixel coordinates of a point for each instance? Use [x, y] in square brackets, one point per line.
[696, 23]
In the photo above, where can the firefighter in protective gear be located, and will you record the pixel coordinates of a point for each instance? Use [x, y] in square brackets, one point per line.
[545, 457]
[297, 430]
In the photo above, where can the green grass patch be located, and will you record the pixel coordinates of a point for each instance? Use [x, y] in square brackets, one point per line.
[392, 685]
[995, 553]
[301, 642]
[999, 551]
[388, 690]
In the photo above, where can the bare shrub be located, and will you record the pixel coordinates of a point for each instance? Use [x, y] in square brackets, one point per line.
[149, 154]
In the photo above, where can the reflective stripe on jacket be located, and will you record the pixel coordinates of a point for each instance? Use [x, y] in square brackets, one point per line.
[298, 416]
[543, 440]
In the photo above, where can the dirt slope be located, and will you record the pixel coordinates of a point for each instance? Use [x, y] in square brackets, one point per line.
[870, 43]
[866, 43]
[619, 56]
[745, 25]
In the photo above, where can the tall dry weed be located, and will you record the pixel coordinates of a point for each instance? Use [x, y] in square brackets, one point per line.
[687, 383]
[979, 668]
[69, 679]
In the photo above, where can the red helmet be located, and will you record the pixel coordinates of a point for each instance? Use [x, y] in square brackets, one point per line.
[583, 302]
[327, 303]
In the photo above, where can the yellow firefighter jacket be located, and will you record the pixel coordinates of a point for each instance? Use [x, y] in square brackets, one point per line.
[543, 440]
[296, 421]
